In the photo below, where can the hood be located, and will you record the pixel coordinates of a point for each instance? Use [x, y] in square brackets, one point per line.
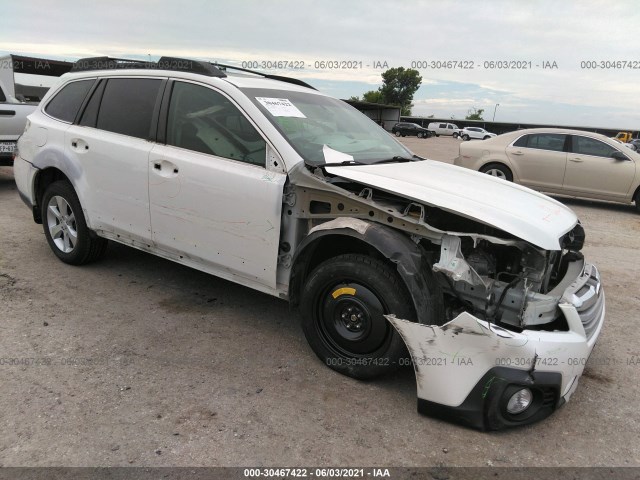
[520, 211]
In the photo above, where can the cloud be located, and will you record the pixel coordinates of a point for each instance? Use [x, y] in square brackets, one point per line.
[400, 34]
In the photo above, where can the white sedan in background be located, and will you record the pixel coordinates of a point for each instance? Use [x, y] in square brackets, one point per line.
[469, 133]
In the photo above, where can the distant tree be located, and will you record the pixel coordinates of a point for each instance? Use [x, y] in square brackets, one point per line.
[475, 114]
[398, 87]
[354, 99]
[373, 96]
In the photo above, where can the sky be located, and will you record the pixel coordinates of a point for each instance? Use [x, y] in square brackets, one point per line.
[370, 36]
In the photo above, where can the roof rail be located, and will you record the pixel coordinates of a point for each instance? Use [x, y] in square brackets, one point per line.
[294, 81]
[175, 64]
[165, 63]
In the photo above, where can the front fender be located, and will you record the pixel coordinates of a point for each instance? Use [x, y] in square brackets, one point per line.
[408, 257]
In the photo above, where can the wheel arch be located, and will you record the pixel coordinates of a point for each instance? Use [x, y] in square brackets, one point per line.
[501, 163]
[334, 238]
[42, 180]
[636, 197]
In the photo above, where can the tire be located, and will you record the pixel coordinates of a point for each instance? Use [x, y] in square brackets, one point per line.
[437, 135]
[65, 227]
[419, 135]
[465, 137]
[498, 170]
[637, 201]
[488, 136]
[398, 133]
[342, 307]
[455, 135]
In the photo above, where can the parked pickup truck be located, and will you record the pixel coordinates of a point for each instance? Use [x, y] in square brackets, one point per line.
[19, 99]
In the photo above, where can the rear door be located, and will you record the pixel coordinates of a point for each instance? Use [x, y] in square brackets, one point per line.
[539, 160]
[592, 172]
[212, 199]
[112, 144]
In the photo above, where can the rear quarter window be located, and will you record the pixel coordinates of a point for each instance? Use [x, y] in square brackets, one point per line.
[66, 103]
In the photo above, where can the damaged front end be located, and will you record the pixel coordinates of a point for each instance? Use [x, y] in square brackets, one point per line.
[520, 308]
[519, 332]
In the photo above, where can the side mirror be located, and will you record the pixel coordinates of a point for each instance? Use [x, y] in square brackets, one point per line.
[619, 156]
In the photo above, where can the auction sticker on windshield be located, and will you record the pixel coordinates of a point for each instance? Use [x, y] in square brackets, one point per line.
[280, 107]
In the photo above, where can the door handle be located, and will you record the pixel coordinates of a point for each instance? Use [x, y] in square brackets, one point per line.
[166, 168]
[79, 144]
[576, 159]
[518, 152]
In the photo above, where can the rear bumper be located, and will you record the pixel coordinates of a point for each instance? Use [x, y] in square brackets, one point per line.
[24, 174]
[467, 369]
[6, 152]
[6, 159]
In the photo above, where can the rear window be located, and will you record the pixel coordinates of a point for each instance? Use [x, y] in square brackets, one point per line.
[66, 103]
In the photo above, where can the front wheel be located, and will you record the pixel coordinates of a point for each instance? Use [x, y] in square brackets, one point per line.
[465, 137]
[65, 227]
[419, 135]
[398, 134]
[455, 135]
[498, 170]
[343, 304]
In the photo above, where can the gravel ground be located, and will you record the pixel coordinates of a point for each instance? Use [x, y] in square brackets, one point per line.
[139, 361]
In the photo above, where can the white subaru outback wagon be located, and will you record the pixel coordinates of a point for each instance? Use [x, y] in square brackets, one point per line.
[391, 259]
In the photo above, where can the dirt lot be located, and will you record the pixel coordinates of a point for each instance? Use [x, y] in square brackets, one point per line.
[139, 361]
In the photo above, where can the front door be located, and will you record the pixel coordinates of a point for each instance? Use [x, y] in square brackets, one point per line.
[591, 170]
[211, 197]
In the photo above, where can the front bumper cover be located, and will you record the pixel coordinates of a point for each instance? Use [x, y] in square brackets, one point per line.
[467, 369]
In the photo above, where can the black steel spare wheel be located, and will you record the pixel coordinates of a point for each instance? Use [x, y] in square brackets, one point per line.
[343, 306]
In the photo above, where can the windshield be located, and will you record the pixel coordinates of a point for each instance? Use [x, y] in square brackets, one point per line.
[311, 123]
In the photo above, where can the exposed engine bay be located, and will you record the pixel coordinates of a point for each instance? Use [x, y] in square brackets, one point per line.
[483, 270]
[510, 285]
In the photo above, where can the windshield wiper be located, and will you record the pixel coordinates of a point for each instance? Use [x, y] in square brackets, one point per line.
[345, 163]
[397, 158]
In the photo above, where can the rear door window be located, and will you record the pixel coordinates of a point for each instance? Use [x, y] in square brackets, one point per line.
[542, 141]
[127, 106]
[66, 103]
